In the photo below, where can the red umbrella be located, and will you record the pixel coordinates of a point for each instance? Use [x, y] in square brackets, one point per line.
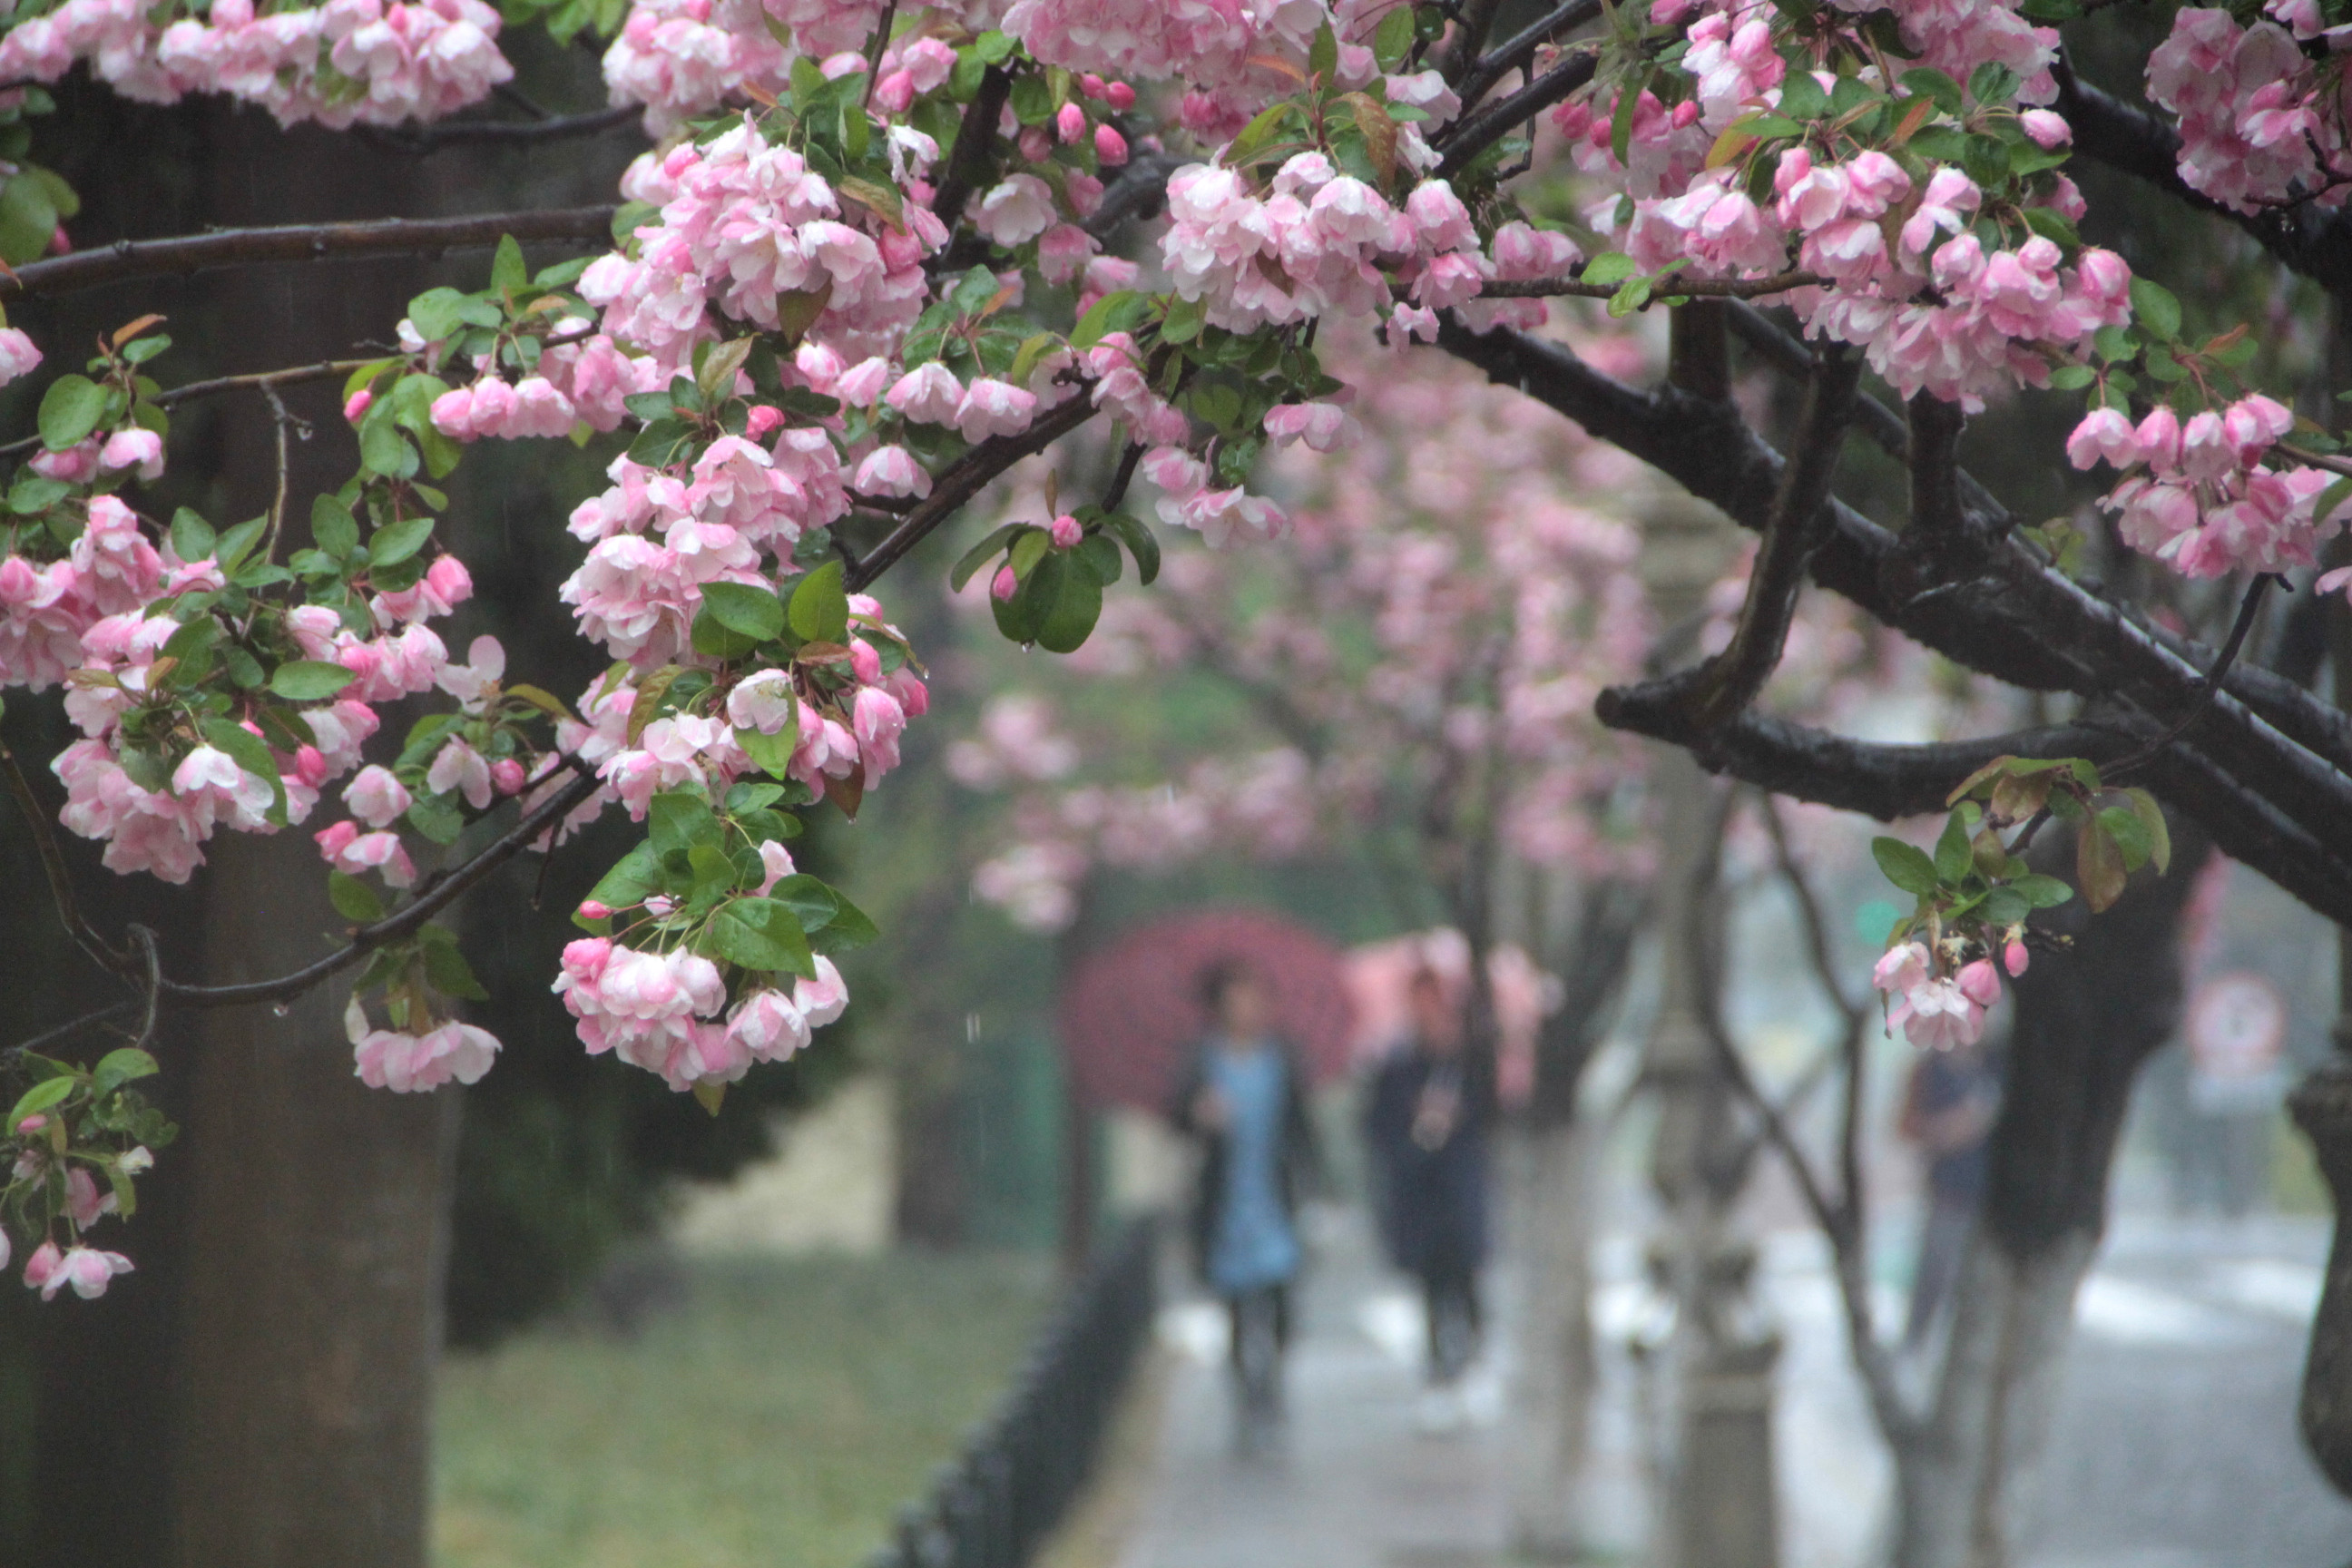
[1133, 1009]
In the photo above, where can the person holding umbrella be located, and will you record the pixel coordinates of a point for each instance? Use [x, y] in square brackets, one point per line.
[1426, 1121]
[1242, 1095]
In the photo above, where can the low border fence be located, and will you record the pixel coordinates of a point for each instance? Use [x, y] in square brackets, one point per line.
[994, 1505]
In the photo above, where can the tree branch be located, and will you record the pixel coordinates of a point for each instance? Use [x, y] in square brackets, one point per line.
[1722, 686]
[422, 140]
[187, 254]
[53, 866]
[407, 921]
[1672, 286]
[966, 478]
[968, 159]
[1466, 138]
[1519, 50]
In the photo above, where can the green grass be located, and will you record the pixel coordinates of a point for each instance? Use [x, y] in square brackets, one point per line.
[777, 1418]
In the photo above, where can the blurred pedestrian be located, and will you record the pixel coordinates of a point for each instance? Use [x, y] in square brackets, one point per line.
[1243, 1096]
[1948, 1107]
[1427, 1121]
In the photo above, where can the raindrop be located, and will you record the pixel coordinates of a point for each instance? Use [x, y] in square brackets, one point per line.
[280, 1009]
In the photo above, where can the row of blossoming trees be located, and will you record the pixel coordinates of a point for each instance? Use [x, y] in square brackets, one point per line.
[874, 261]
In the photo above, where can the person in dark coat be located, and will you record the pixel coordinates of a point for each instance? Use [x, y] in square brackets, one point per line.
[1431, 1111]
[1243, 1094]
[1949, 1106]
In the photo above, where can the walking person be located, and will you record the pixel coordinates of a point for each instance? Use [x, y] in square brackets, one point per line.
[1949, 1106]
[1427, 1122]
[1244, 1097]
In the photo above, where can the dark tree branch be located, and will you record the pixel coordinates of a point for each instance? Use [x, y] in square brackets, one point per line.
[1518, 50]
[2009, 615]
[1474, 133]
[1473, 20]
[420, 141]
[187, 254]
[404, 923]
[966, 478]
[2249, 608]
[1139, 191]
[1694, 288]
[1699, 356]
[1715, 692]
[968, 159]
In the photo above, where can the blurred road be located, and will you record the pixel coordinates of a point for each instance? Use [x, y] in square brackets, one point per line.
[2175, 1445]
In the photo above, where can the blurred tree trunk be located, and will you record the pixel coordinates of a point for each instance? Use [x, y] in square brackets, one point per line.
[311, 1317]
[1555, 1390]
[2085, 1019]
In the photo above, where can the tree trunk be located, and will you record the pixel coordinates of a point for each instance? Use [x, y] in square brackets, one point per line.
[1554, 1387]
[312, 1308]
[313, 1319]
[2086, 1017]
[1963, 1486]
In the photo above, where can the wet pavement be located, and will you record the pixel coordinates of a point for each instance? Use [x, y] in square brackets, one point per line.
[2175, 1445]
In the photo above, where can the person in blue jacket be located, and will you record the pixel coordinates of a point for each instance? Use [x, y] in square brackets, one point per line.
[1243, 1096]
[1427, 1122]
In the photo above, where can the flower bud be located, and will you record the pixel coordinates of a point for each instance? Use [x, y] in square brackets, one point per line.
[1005, 583]
[1065, 531]
[2015, 958]
[358, 404]
[590, 909]
[1070, 123]
[1110, 147]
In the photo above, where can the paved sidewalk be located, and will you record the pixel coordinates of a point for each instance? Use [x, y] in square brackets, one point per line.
[1355, 1484]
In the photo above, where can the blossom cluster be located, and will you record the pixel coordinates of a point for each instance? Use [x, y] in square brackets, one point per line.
[2212, 496]
[2262, 123]
[346, 62]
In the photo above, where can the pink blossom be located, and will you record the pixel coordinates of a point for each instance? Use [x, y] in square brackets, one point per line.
[135, 448]
[2015, 958]
[458, 766]
[823, 999]
[376, 797]
[1019, 209]
[928, 394]
[18, 356]
[2104, 436]
[892, 472]
[993, 407]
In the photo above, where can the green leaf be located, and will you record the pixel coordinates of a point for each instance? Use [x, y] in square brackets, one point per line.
[437, 819]
[2042, 892]
[1924, 82]
[2155, 308]
[678, 819]
[397, 541]
[1119, 311]
[632, 878]
[237, 544]
[708, 636]
[1069, 619]
[981, 555]
[812, 902]
[1141, 542]
[1184, 321]
[820, 606]
[2151, 819]
[762, 935]
[2072, 377]
[193, 538]
[28, 220]
[1323, 55]
[772, 752]
[2005, 907]
[1392, 40]
[1801, 97]
[49, 1092]
[756, 612]
[446, 969]
[70, 410]
[1953, 856]
[1905, 865]
[308, 680]
[127, 1064]
[1609, 267]
[849, 929]
[1098, 556]
[249, 751]
[2124, 826]
[507, 272]
[1620, 123]
[333, 527]
[353, 899]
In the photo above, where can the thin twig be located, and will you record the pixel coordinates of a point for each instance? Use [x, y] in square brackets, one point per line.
[186, 254]
[1671, 286]
[279, 417]
[53, 865]
[874, 50]
[67, 1030]
[2249, 608]
[1127, 460]
[407, 921]
[422, 140]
